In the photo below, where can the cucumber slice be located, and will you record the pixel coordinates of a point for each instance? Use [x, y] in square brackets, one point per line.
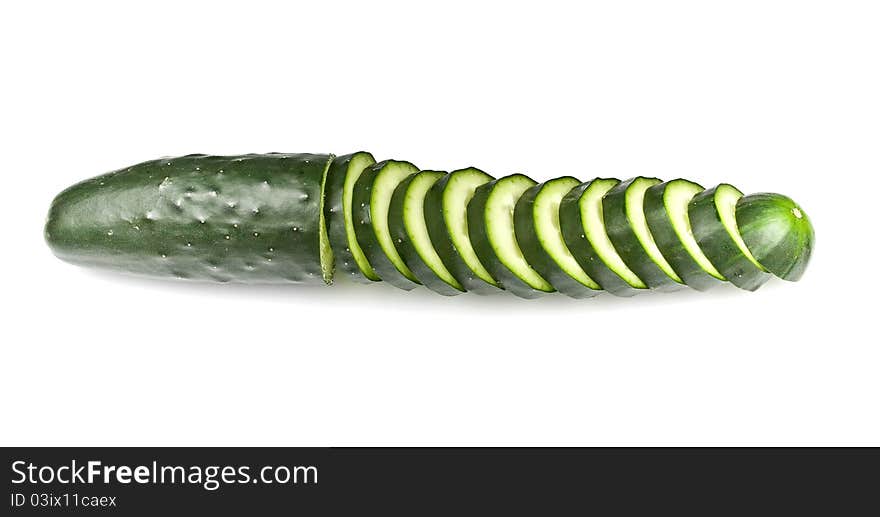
[406, 220]
[536, 221]
[582, 222]
[370, 202]
[341, 177]
[625, 224]
[249, 218]
[713, 221]
[491, 227]
[666, 212]
[446, 217]
[777, 232]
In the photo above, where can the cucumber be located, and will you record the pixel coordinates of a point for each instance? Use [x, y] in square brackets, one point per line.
[370, 202]
[777, 232]
[446, 216]
[303, 217]
[582, 222]
[624, 214]
[491, 228]
[536, 221]
[713, 220]
[341, 177]
[666, 212]
[249, 218]
[406, 221]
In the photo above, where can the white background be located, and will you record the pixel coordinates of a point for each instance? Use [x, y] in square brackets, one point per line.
[768, 95]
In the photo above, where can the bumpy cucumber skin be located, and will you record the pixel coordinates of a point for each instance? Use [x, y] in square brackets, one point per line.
[334, 216]
[533, 251]
[670, 245]
[777, 232]
[405, 247]
[619, 229]
[366, 236]
[249, 218]
[583, 251]
[443, 242]
[477, 228]
[719, 246]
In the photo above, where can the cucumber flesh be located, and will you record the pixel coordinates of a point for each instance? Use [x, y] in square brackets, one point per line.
[536, 221]
[491, 228]
[349, 259]
[371, 201]
[583, 227]
[666, 213]
[328, 262]
[623, 208]
[777, 232]
[446, 217]
[406, 220]
[713, 220]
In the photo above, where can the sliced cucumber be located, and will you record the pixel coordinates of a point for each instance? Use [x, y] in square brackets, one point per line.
[371, 200]
[349, 259]
[490, 223]
[446, 217]
[303, 217]
[536, 221]
[623, 209]
[777, 232]
[583, 227]
[406, 220]
[713, 220]
[666, 212]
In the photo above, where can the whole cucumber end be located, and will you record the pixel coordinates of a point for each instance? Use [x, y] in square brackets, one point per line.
[778, 233]
[56, 228]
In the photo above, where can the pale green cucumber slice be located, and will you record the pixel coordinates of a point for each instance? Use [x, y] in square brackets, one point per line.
[358, 163]
[491, 227]
[593, 221]
[726, 197]
[410, 232]
[625, 224]
[712, 215]
[635, 199]
[446, 217]
[371, 201]
[539, 234]
[666, 213]
[676, 198]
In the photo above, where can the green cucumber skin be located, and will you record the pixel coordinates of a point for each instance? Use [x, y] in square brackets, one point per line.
[530, 245]
[362, 217]
[619, 229]
[670, 245]
[405, 247]
[580, 247]
[480, 240]
[719, 247]
[334, 215]
[777, 232]
[248, 218]
[445, 247]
